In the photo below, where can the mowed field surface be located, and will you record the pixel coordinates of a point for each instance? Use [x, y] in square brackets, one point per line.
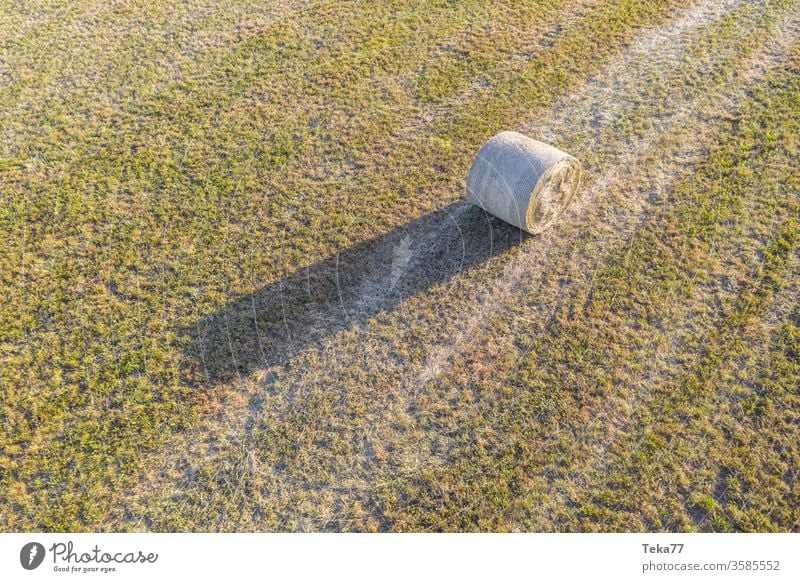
[240, 288]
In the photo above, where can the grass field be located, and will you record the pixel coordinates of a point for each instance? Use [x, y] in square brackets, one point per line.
[242, 291]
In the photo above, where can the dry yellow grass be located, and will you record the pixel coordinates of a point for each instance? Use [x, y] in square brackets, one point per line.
[241, 290]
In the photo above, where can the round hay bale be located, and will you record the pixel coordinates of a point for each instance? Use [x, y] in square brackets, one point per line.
[523, 181]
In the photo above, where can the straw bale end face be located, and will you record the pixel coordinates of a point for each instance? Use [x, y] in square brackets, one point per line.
[522, 181]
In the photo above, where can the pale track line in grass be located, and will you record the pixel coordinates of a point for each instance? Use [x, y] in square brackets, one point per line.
[717, 102]
[650, 56]
[631, 155]
[605, 95]
[629, 158]
[515, 271]
[519, 266]
[369, 298]
[786, 34]
[768, 56]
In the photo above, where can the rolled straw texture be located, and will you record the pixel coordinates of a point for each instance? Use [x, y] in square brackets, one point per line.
[523, 181]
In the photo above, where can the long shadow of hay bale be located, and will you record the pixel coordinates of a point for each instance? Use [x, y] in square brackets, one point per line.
[344, 290]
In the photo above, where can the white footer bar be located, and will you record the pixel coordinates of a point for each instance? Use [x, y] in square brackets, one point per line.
[354, 557]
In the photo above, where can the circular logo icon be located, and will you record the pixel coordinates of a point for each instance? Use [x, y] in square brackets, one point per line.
[31, 555]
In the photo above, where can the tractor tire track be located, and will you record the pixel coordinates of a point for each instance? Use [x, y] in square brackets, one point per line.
[600, 108]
